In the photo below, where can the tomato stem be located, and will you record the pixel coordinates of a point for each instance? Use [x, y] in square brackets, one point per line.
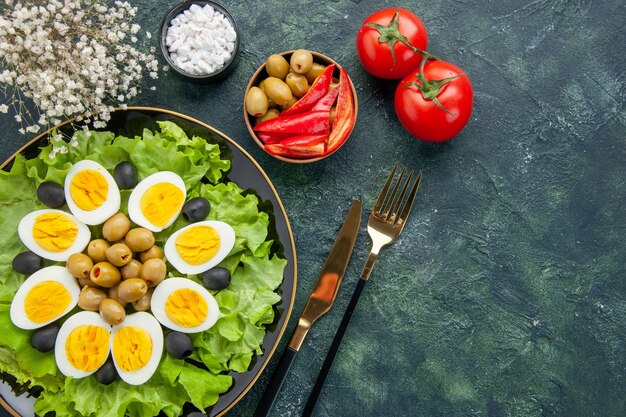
[390, 34]
[430, 89]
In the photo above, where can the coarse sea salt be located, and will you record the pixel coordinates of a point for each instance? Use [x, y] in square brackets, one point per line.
[200, 40]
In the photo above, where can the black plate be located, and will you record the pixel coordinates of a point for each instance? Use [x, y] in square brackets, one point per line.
[249, 176]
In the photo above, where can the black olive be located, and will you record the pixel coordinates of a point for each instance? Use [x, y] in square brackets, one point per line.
[51, 194]
[43, 339]
[125, 175]
[196, 209]
[216, 278]
[27, 263]
[178, 344]
[107, 372]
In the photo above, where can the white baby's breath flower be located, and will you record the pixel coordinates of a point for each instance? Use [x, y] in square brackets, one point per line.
[68, 75]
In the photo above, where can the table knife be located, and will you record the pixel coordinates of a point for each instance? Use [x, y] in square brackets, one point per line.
[320, 301]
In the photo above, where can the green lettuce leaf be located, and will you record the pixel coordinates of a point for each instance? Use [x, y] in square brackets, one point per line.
[174, 383]
[246, 305]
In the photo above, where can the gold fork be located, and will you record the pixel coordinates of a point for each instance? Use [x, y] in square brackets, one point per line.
[384, 226]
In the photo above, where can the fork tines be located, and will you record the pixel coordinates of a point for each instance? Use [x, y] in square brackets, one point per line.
[387, 206]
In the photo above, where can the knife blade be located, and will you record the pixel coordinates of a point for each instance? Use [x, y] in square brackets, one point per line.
[319, 302]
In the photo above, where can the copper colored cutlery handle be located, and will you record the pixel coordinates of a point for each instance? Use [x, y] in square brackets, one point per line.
[273, 388]
[334, 347]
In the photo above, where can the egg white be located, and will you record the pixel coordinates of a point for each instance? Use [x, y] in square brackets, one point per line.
[134, 207]
[166, 288]
[25, 231]
[83, 318]
[227, 241]
[110, 206]
[51, 273]
[149, 324]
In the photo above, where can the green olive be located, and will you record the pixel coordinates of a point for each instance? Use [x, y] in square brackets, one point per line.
[256, 102]
[131, 270]
[132, 289]
[113, 294]
[315, 71]
[153, 271]
[105, 274]
[139, 239]
[153, 252]
[97, 250]
[290, 103]
[112, 312]
[277, 90]
[297, 83]
[143, 304]
[271, 114]
[119, 254]
[333, 110]
[116, 227]
[276, 66]
[301, 61]
[79, 265]
[82, 282]
[90, 298]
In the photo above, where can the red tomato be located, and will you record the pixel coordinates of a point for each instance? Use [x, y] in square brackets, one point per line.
[417, 96]
[384, 32]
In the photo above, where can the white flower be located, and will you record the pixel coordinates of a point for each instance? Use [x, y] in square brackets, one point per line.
[99, 66]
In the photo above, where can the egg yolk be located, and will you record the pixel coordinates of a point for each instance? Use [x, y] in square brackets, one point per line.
[198, 244]
[54, 232]
[132, 348]
[46, 301]
[186, 308]
[89, 189]
[161, 202]
[87, 347]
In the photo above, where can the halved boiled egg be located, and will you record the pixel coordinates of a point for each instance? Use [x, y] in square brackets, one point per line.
[53, 234]
[137, 345]
[184, 305]
[82, 345]
[45, 296]
[91, 192]
[200, 246]
[157, 200]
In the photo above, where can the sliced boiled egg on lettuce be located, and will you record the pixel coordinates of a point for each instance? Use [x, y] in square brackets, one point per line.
[137, 345]
[157, 200]
[82, 345]
[53, 234]
[44, 297]
[200, 246]
[184, 305]
[91, 193]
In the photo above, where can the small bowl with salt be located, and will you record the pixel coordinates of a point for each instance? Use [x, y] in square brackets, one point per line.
[200, 41]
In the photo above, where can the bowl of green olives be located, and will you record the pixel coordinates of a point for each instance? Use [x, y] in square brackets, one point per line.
[300, 106]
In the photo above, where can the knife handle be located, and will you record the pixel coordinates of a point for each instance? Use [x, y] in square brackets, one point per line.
[273, 388]
[334, 347]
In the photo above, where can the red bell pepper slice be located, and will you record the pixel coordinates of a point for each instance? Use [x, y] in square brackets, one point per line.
[326, 102]
[305, 152]
[269, 138]
[302, 141]
[298, 124]
[316, 92]
[344, 116]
